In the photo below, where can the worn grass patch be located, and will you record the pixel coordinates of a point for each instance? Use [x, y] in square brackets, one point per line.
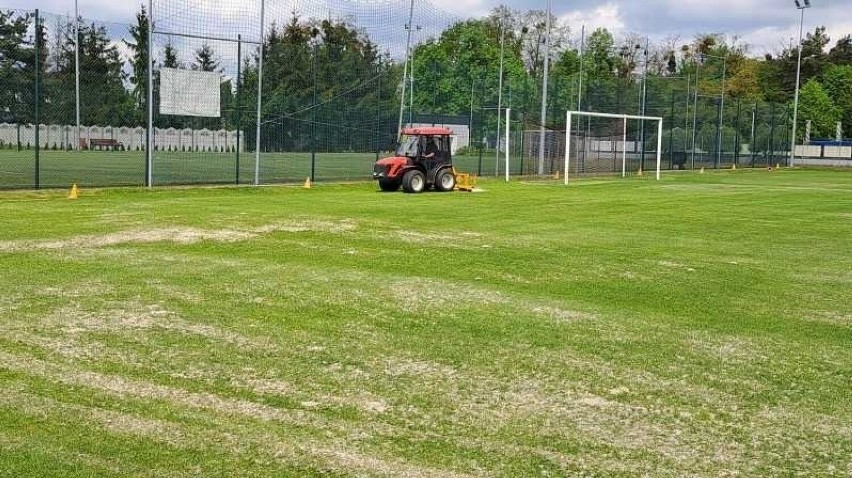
[699, 326]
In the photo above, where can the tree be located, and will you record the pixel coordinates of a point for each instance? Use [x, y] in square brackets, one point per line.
[139, 58]
[17, 68]
[838, 85]
[170, 59]
[103, 96]
[841, 54]
[205, 59]
[599, 59]
[815, 106]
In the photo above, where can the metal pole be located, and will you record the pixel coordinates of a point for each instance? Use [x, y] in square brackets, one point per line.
[541, 141]
[378, 133]
[470, 122]
[796, 100]
[582, 61]
[411, 92]
[259, 92]
[659, 146]
[500, 96]
[149, 148]
[405, 69]
[239, 105]
[77, 66]
[695, 111]
[568, 122]
[508, 123]
[314, 116]
[751, 145]
[624, 150]
[721, 113]
[686, 117]
[644, 101]
[37, 112]
[568, 125]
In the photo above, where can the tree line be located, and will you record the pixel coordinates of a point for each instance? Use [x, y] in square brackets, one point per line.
[328, 86]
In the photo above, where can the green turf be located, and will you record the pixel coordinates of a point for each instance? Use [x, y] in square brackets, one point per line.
[699, 326]
[127, 168]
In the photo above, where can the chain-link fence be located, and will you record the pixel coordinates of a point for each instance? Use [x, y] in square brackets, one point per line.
[320, 90]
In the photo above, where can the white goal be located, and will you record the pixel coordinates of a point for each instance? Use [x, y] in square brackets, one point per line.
[612, 139]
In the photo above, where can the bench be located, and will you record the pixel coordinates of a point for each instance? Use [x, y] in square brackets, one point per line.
[104, 143]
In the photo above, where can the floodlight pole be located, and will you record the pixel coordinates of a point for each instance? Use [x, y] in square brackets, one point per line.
[405, 68]
[77, 65]
[541, 141]
[259, 92]
[801, 8]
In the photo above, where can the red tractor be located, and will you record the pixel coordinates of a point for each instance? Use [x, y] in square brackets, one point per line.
[423, 160]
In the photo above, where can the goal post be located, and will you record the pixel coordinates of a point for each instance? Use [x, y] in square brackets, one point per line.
[619, 149]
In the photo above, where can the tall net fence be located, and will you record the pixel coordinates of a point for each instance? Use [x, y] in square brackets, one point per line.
[334, 91]
[699, 131]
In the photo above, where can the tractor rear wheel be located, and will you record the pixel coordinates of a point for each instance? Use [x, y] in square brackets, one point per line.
[445, 181]
[414, 182]
[389, 185]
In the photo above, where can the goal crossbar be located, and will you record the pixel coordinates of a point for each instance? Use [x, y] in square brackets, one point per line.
[624, 118]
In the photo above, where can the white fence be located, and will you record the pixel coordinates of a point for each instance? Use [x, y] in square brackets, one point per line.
[131, 139]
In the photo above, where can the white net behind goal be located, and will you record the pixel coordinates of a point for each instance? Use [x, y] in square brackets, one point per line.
[603, 143]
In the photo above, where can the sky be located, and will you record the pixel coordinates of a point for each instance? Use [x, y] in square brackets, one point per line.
[765, 25]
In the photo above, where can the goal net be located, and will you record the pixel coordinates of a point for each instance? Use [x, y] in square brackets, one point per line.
[606, 143]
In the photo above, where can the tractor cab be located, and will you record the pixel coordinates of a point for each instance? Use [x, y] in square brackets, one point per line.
[423, 159]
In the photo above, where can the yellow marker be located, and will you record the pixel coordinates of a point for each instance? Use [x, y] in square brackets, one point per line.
[702, 171]
[75, 192]
[777, 166]
[640, 172]
[556, 175]
[734, 167]
[308, 183]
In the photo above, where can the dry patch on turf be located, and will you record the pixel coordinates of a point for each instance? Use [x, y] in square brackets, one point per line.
[436, 296]
[831, 317]
[122, 387]
[177, 235]
[75, 332]
[446, 238]
[333, 449]
[726, 348]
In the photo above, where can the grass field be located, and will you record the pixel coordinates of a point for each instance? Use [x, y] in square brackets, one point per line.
[699, 326]
[113, 168]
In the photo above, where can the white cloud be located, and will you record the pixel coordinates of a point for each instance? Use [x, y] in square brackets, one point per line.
[467, 8]
[604, 16]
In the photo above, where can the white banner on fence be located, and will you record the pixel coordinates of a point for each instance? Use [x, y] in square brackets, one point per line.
[190, 93]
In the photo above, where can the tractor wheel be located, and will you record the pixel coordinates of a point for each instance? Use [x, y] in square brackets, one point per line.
[389, 185]
[445, 181]
[414, 182]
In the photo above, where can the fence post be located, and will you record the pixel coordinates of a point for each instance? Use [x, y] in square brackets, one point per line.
[239, 121]
[737, 136]
[377, 134]
[718, 161]
[671, 132]
[314, 114]
[771, 152]
[752, 146]
[37, 115]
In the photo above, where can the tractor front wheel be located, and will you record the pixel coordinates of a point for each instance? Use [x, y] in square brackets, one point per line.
[389, 185]
[414, 182]
[445, 181]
